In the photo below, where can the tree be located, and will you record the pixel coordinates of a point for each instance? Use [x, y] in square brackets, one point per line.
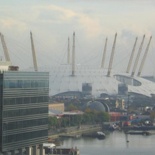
[52, 122]
[152, 115]
[71, 107]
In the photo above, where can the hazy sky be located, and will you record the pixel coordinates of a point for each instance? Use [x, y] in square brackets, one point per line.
[53, 21]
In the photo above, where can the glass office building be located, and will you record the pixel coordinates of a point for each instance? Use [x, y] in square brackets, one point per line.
[24, 98]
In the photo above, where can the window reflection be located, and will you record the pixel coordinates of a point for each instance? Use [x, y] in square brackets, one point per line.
[24, 100]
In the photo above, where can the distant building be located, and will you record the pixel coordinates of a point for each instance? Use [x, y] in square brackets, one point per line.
[120, 103]
[115, 116]
[87, 89]
[56, 109]
[24, 98]
[57, 106]
[4, 66]
[122, 89]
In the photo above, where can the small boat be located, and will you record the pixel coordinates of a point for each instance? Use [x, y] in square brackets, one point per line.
[113, 127]
[99, 135]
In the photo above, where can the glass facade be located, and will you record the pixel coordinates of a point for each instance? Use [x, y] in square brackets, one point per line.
[23, 109]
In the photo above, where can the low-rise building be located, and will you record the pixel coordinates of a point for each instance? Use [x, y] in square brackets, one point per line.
[57, 106]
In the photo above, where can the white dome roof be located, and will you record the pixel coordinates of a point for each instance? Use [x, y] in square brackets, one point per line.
[62, 81]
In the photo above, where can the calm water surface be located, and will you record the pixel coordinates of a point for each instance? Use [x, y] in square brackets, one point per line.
[114, 144]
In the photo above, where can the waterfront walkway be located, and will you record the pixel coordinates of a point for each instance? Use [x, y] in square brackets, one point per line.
[75, 131]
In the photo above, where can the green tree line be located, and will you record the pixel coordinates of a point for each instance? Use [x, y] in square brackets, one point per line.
[89, 117]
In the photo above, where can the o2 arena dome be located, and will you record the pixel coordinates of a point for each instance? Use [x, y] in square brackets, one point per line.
[72, 79]
[88, 81]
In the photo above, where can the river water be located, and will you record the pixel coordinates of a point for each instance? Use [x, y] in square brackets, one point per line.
[115, 143]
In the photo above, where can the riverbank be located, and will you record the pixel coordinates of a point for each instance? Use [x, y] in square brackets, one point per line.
[74, 131]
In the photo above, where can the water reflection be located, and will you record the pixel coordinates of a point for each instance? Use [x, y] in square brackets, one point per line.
[127, 140]
[117, 143]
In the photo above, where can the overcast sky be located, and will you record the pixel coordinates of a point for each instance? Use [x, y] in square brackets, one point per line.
[53, 21]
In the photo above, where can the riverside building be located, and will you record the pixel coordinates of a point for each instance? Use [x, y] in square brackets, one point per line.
[24, 98]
